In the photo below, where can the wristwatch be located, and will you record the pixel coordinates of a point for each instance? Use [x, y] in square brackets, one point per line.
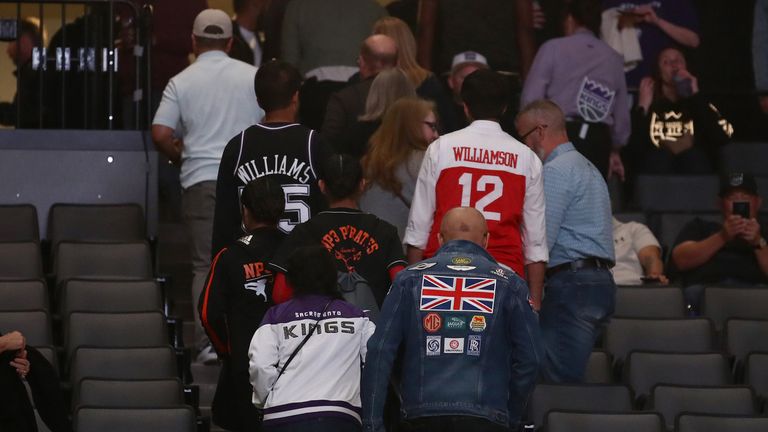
[761, 244]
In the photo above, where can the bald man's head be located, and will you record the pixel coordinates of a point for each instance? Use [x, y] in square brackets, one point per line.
[464, 223]
[378, 52]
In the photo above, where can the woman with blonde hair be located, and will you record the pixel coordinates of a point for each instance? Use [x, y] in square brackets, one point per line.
[388, 86]
[394, 158]
[426, 84]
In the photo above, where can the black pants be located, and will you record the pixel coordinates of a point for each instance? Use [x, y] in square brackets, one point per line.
[452, 424]
[595, 146]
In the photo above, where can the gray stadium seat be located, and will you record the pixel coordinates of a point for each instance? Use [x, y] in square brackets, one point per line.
[598, 369]
[647, 369]
[129, 393]
[558, 421]
[649, 302]
[745, 336]
[756, 373]
[747, 157]
[577, 397]
[670, 401]
[94, 419]
[86, 295]
[667, 226]
[130, 261]
[95, 223]
[20, 261]
[720, 423]
[123, 363]
[23, 295]
[687, 335]
[118, 330]
[19, 223]
[35, 325]
[722, 303]
[681, 193]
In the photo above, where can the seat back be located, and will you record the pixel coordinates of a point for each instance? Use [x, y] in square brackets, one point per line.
[122, 363]
[23, 295]
[756, 373]
[721, 303]
[115, 330]
[20, 260]
[687, 335]
[19, 223]
[746, 157]
[670, 401]
[35, 325]
[577, 397]
[649, 302]
[95, 223]
[745, 336]
[647, 369]
[91, 295]
[681, 193]
[598, 368]
[95, 419]
[128, 393]
[559, 421]
[103, 261]
[720, 423]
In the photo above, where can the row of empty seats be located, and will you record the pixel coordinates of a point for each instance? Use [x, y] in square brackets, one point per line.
[564, 421]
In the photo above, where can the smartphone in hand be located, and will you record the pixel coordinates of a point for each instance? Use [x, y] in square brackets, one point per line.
[741, 208]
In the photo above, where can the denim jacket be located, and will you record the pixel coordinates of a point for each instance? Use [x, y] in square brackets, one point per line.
[469, 337]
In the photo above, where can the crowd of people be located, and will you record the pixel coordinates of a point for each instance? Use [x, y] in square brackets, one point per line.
[373, 248]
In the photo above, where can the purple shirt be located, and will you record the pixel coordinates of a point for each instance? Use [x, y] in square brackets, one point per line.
[585, 77]
[652, 38]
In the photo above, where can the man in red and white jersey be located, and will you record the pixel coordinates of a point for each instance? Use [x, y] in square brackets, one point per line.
[481, 166]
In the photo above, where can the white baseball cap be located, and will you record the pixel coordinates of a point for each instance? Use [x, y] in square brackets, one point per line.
[468, 57]
[212, 24]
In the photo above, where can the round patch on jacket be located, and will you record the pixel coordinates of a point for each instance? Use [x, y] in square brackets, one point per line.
[432, 322]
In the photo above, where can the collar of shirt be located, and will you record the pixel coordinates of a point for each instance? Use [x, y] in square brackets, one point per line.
[486, 126]
[561, 149]
[210, 55]
[464, 246]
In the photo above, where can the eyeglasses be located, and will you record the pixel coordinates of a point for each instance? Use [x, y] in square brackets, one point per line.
[535, 128]
[432, 125]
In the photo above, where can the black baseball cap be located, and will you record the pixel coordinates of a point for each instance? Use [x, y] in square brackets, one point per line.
[738, 181]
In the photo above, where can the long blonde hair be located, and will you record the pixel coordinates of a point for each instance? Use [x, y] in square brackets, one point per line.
[388, 86]
[398, 30]
[391, 145]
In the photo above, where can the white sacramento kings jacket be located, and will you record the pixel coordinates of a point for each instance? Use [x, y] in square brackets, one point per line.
[323, 380]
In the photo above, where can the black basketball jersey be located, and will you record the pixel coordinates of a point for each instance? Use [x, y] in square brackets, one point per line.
[288, 151]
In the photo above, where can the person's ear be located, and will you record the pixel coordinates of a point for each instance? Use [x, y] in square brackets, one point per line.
[321, 185]
[466, 111]
[485, 240]
[229, 45]
[440, 239]
[363, 184]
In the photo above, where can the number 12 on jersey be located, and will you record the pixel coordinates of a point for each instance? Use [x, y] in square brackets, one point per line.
[490, 185]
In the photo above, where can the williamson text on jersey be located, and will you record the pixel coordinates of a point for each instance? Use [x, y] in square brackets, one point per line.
[463, 294]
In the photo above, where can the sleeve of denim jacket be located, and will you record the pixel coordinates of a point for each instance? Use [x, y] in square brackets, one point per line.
[526, 351]
[382, 349]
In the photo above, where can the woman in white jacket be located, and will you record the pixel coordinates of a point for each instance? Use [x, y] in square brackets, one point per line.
[323, 340]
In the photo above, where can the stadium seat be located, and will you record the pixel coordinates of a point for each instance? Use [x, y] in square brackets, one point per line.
[123, 363]
[86, 295]
[649, 302]
[20, 261]
[647, 369]
[598, 368]
[682, 193]
[559, 421]
[95, 419]
[720, 423]
[722, 303]
[577, 397]
[95, 223]
[23, 295]
[687, 335]
[131, 261]
[128, 393]
[756, 373]
[35, 325]
[115, 330]
[667, 226]
[745, 336]
[746, 157]
[19, 223]
[670, 401]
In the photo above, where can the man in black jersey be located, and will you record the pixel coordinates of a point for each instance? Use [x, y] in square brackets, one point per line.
[360, 242]
[277, 147]
[237, 296]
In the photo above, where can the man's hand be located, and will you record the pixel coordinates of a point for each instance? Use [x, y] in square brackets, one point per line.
[663, 280]
[750, 232]
[615, 166]
[645, 94]
[647, 13]
[539, 19]
[21, 364]
[684, 74]
[733, 227]
[13, 341]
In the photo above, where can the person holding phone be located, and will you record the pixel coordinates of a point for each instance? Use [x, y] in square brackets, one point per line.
[731, 252]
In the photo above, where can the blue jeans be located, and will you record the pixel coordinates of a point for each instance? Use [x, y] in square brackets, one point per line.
[576, 304]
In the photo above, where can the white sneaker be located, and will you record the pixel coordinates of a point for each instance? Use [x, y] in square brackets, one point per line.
[207, 356]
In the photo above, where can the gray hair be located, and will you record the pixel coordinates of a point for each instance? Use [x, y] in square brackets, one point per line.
[388, 86]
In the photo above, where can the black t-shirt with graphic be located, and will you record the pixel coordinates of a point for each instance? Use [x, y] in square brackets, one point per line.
[359, 241]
